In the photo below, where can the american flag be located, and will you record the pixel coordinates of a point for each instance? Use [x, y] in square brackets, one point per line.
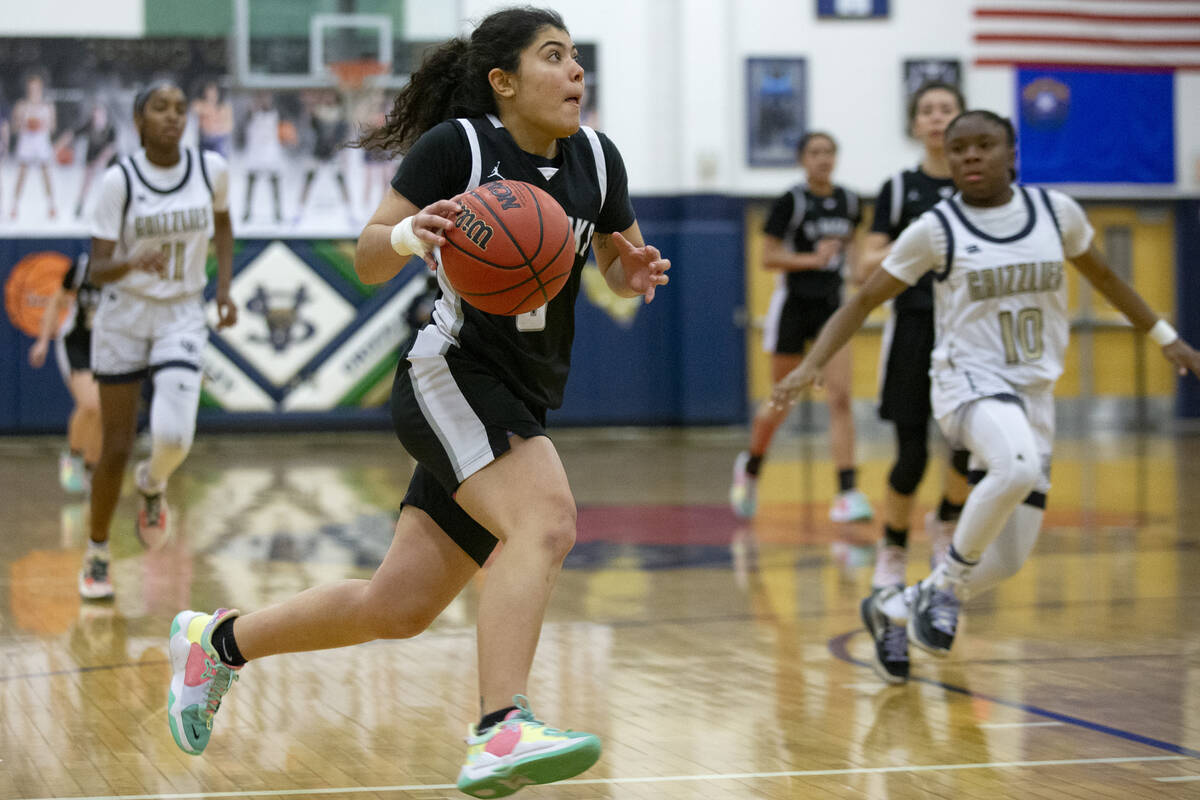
[1153, 34]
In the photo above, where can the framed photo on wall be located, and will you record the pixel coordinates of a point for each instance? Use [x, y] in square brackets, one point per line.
[776, 110]
[920, 71]
[852, 9]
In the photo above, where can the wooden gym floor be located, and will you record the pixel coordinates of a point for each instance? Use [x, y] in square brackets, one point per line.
[716, 660]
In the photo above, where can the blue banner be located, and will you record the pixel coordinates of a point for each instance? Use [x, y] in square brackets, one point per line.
[1090, 126]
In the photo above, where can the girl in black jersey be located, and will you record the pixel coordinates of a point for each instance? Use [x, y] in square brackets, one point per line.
[74, 346]
[806, 239]
[469, 401]
[908, 342]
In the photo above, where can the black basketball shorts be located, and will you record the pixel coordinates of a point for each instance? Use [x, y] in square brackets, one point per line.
[794, 320]
[454, 417]
[74, 351]
[907, 346]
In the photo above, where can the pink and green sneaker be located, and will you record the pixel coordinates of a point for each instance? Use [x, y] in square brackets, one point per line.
[198, 678]
[523, 751]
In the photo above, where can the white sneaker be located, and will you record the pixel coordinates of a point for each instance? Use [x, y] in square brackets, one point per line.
[743, 492]
[94, 583]
[72, 474]
[851, 506]
[941, 536]
[891, 565]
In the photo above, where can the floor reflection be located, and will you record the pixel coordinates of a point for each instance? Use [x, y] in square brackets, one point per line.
[717, 658]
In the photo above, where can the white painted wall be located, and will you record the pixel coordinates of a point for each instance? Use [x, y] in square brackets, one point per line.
[671, 78]
[115, 18]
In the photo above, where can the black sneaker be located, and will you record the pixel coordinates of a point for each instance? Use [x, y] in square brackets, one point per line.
[891, 640]
[934, 618]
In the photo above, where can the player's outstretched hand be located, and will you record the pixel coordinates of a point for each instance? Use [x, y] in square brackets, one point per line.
[430, 224]
[789, 389]
[1183, 356]
[37, 353]
[226, 311]
[645, 268]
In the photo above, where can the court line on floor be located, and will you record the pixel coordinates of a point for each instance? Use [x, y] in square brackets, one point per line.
[1179, 779]
[81, 670]
[730, 618]
[837, 646]
[716, 776]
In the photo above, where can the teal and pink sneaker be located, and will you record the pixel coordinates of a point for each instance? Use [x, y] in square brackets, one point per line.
[198, 678]
[523, 751]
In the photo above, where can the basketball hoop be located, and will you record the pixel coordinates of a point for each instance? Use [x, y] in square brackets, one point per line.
[351, 75]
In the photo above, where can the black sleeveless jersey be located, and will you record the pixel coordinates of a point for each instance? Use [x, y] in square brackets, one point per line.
[530, 353]
[801, 219]
[894, 209]
[87, 296]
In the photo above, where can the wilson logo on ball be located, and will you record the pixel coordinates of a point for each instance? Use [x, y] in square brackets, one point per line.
[511, 249]
[475, 229]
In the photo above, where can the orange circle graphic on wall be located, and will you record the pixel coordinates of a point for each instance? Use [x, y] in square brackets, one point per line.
[30, 288]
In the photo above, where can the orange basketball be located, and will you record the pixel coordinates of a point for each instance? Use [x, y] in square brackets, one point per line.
[30, 287]
[511, 249]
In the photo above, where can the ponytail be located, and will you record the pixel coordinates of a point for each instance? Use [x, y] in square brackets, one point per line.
[452, 81]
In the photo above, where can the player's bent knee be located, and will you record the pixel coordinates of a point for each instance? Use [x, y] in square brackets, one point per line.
[1015, 477]
[907, 472]
[839, 401]
[384, 615]
[558, 536]
[389, 624]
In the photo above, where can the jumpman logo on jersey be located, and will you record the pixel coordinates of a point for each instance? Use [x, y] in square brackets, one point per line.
[495, 173]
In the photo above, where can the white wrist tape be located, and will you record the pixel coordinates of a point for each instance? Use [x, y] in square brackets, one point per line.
[1162, 333]
[405, 241]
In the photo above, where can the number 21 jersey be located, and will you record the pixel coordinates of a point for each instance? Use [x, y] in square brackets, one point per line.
[144, 207]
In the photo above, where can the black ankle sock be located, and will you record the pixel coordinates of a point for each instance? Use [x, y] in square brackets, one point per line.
[488, 720]
[896, 536]
[226, 647]
[754, 464]
[847, 479]
[949, 512]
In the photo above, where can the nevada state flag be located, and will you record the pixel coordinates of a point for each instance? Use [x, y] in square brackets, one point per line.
[1095, 125]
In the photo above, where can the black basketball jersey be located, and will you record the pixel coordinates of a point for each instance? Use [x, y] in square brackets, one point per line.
[87, 296]
[531, 352]
[894, 209]
[801, 219]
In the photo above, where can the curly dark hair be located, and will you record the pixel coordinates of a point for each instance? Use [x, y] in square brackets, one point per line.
[452, 81]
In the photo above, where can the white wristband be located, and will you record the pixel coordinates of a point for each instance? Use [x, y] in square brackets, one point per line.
[1162, 333]
[405, 240]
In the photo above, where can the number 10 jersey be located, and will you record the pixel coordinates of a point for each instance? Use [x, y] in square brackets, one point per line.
[1000, 291]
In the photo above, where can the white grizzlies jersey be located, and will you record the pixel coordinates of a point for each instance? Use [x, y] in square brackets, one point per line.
[142, 206]
[1000, 291]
